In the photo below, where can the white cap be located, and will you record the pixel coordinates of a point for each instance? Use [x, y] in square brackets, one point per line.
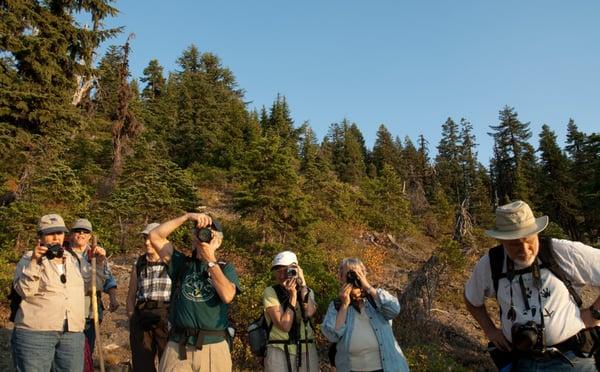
[284, 258]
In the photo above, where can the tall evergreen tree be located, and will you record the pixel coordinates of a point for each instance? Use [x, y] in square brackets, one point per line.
[510, 149]
[347, 151]
[384, 151]
[558, 198]
[154, 79]
[447, 162]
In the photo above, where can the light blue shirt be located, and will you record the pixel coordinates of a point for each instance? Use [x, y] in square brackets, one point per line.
[388, 307]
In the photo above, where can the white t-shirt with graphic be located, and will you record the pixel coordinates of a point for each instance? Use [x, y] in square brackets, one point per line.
[562, 317]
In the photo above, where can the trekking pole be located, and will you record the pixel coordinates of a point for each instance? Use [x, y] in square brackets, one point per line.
[95, 304]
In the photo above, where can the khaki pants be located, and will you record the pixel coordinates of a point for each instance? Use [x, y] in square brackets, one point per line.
[212, 358]
[275, 360]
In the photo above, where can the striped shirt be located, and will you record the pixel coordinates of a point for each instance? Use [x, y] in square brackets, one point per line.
[153, 283]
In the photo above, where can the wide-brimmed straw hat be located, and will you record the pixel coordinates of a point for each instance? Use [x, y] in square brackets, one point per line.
[515, 221]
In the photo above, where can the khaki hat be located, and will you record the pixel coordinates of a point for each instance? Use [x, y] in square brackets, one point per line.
[284, 258]
[51, 223]
[149, 227]
[82, 224]
[515, 221]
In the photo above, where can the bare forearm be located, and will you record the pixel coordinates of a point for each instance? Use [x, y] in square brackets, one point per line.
[225, 289]
[481, 316]
[341, 317]
[158, 236]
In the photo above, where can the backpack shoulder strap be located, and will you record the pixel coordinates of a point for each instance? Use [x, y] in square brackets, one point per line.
[140, 264]
[546, 255]
[176, 284]
[496, 255]
[70, 250]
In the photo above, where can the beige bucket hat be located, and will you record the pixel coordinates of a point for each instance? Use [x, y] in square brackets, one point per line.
[51, 223]
[515, 221]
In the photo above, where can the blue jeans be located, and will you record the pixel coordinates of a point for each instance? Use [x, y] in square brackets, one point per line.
[556, 364]
[44, 351]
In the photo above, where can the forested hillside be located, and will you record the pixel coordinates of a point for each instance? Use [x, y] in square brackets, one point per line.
[86, 139]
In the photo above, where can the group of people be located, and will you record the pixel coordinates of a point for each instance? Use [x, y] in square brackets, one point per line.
[177, 304]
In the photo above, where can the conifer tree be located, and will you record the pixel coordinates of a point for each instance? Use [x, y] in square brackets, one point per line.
[447, 162]
[155, 81]
[558, 198]
[347, 151]
[384, 151]
[510, 149]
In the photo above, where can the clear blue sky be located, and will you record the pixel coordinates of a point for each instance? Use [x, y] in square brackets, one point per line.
[406, 64]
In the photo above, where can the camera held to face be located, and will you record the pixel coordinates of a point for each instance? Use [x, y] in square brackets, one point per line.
[291, 272]
[526, 337]
[352, 278]
[54, 251]
[204, 235]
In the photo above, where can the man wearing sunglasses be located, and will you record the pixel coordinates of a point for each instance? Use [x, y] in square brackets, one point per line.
[79, 240]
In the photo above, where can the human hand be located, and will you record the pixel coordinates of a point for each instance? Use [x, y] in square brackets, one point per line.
[497, 338]
[200, 219]
[291, 286]
[362, 277]
[39, 251]
[345, 294]
[113, 303]
[206, 251]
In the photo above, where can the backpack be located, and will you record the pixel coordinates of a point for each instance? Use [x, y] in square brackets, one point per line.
[588, 340]
[260, 329]
[142, 262]
[547, 258]
[15, 298]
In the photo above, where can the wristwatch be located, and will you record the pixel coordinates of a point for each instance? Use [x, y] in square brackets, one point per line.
[211, 264]
[595, 313]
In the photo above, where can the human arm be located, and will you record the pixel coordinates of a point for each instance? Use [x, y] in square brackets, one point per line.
[110, 287]
[307, 296]
[282, 318]
[226, 289]
[329, 324]
[387, 304]
[28, 273]
[158, 236]
[493, 333]
[131, 292]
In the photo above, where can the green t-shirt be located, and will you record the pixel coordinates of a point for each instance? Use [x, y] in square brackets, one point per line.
[197, 305]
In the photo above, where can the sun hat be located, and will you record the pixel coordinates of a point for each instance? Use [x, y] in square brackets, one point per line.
[515, 221]
[82, 224]
[51, 223]
[284, 258]
[150, 227]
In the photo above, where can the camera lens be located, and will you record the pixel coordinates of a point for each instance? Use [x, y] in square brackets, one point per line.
[204, 234]
[291, 273]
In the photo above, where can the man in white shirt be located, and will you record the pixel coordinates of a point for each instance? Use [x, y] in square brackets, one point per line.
[542, 325]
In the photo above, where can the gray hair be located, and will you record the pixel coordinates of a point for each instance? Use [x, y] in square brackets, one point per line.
[351, 263]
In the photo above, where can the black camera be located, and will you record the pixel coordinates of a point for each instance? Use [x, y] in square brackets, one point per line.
[291, 272]
[352, 278]
[526, 337]
[54, 251]
[204, 234]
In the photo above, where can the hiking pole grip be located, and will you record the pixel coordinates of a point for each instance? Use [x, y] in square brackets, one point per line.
[95, 303]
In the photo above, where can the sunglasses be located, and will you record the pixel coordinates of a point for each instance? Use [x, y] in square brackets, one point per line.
[81, 232]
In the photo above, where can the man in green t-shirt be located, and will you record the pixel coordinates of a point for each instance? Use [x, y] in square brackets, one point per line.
[202, 290]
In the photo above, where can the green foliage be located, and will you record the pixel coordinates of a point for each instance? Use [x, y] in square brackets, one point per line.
[451, 254]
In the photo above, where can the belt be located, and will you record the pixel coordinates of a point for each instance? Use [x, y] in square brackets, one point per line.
[151, 304]
[199, 333]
